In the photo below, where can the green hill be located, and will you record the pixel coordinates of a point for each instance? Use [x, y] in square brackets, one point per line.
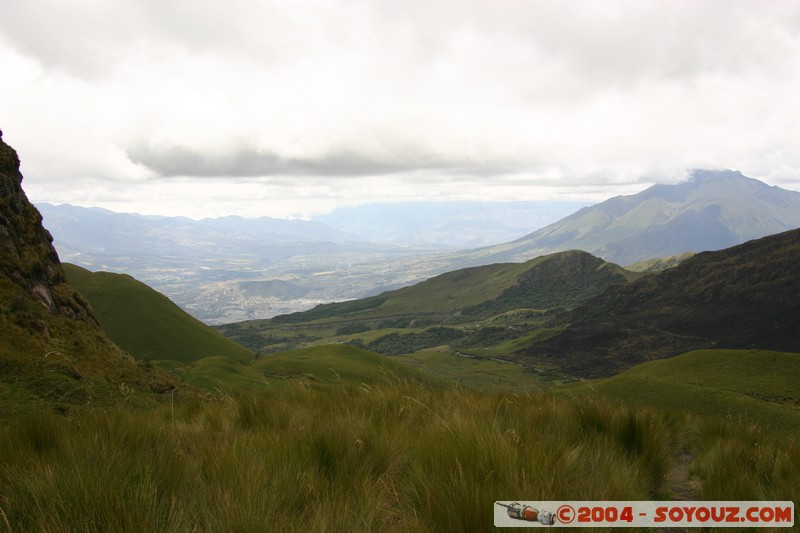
[745, 385]
[326, 364]
[562, 279]
[146, 323]
[467, 296]
[218, 374]
[335, 363]
[660, 263]
[744, 297]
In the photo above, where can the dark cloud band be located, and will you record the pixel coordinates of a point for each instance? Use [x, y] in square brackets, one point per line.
[181, 161]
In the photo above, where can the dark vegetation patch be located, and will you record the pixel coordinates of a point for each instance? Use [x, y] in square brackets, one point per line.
[747, 296]
[330, 310]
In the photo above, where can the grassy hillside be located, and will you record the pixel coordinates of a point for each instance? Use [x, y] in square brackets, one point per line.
[445, 309]
[478, 372]
[442, 295]
[742, 297]
[52, 362]
[752, 386]
[561, 279]
[146, 323]
[322, 365]
[217, 374]
[660, 263]
[339, 363]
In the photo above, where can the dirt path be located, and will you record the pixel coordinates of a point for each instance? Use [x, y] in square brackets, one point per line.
[682, 487]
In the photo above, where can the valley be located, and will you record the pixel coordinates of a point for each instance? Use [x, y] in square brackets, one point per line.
[233, 269]
[564, 376]
[570, 312]
[220, 273]
[399, 267]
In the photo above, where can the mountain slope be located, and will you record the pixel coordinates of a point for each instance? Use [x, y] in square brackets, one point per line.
[746, 385]
[324, 364]
[415, 317]
[52, 350]
[339, 363]
[146, 323]
[95, 229]
[447, 225]
[711, 211]
[202, 265]
[561, 279]
[747, 296]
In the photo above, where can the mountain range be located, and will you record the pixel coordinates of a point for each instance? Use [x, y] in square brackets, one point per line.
[232, 269]
[221, 269]
[570, 312]
[447, 225]
[99, 230]
[712, 210]
[91, 438]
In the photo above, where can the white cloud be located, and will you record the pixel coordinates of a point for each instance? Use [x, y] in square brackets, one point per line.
[301, 105]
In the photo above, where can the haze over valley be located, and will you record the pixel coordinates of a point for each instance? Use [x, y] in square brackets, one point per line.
[231, 269]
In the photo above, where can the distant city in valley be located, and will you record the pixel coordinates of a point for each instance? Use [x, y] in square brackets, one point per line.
[231, 269]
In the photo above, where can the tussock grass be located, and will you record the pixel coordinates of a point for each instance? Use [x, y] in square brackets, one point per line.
[388, 457]
[739, 461]
[751, 386]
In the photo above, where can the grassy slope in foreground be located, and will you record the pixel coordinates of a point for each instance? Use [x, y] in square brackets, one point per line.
[748, 385]
[146, 323]
[327, 364]
[72, 366]
[338, 363]
[393, 458]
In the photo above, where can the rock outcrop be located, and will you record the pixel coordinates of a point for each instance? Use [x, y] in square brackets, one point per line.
[53, 352]
[27, 255]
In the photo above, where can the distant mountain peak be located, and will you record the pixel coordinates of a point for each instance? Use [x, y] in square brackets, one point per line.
[711, 210]
[704, 174]
[699, 178]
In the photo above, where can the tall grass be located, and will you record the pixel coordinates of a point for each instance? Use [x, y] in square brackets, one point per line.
[396, 457]
[737, 461]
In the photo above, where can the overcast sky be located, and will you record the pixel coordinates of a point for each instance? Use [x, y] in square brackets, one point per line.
[291, 107]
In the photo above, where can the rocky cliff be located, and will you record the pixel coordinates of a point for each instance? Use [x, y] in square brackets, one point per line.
[52, 349]
[27, 255]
